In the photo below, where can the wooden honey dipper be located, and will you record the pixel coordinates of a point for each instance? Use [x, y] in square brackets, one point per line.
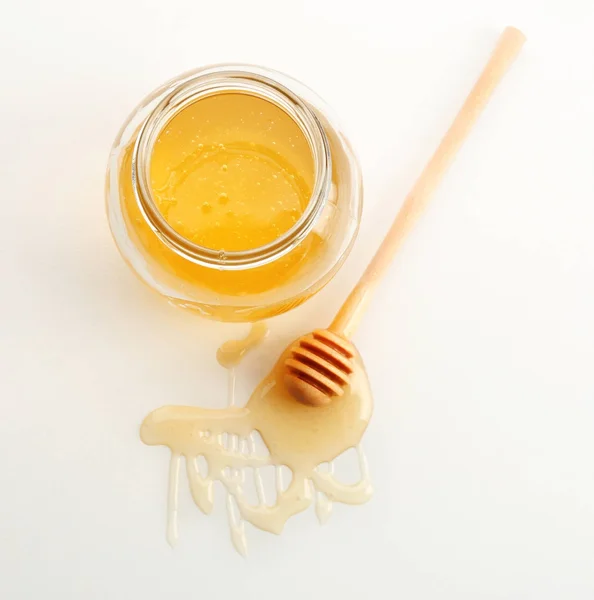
[321, 362]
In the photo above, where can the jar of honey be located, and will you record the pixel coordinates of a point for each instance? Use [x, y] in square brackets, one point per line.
[232, 191]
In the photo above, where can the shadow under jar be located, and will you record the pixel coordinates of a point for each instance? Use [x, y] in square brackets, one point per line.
[232, 191]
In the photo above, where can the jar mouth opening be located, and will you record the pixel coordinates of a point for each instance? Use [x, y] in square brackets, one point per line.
[227, 81]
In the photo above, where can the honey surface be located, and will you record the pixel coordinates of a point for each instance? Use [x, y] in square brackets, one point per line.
[238, 196]
[232, 172]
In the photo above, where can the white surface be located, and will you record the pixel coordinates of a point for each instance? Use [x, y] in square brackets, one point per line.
[480, 344]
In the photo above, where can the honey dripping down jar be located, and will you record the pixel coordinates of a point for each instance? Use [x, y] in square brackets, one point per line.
[232, 191]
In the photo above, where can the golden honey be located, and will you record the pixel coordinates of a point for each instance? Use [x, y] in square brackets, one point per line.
[239, 200]
[232, 172]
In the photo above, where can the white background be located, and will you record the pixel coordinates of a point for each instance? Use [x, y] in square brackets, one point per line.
[480, 344]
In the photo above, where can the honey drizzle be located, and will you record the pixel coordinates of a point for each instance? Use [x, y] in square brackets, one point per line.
[323, 503]
[173, 499]
[231, 353]
[292, 434]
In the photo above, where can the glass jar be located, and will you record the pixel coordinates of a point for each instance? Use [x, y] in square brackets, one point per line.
[245, 285]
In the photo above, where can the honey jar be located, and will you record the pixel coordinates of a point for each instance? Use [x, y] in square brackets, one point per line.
[233, 191]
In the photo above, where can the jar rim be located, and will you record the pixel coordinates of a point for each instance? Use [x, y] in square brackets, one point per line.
[231, 79]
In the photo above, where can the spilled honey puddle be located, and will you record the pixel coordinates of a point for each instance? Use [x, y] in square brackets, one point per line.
[299, 437]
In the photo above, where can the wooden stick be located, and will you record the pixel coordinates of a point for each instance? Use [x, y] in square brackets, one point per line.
[509, 44]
